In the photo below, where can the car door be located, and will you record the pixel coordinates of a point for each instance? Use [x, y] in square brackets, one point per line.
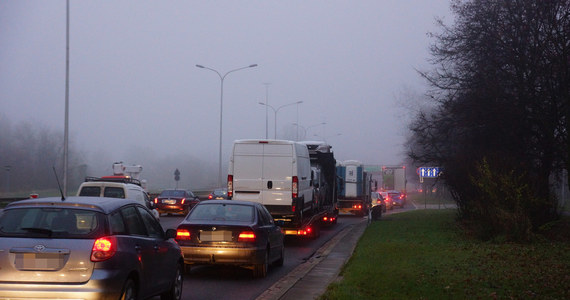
[273, 232]
[163, 263]
[144, 246]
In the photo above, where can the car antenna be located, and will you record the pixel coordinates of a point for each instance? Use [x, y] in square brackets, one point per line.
[58, 185]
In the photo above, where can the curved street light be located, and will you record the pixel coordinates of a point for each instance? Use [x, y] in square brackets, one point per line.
[275, 111]
[222, 77]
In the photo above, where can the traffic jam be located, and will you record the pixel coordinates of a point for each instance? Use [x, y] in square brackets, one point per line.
[113, 240]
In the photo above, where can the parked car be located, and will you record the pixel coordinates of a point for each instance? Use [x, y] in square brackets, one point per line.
[218, 194]
[175, 201]
[122, 187]
[231, 232]
[86, 248]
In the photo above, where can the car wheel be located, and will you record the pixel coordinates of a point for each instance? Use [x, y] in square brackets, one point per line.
[175, 292]
[187, 268]
[129, 290]
[260, 270]
[281, 259]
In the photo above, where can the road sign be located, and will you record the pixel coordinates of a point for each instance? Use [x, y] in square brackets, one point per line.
[429, 172]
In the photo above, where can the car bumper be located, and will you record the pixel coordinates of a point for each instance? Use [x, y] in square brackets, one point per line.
[222, 256]
[103, 285]
[172, 208]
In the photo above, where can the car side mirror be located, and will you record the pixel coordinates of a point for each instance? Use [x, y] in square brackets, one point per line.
[170, 233]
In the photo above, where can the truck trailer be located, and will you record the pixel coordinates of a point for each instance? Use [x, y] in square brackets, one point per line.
[353, 187]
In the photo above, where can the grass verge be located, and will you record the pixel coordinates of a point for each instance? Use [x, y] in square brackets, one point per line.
[423, 255]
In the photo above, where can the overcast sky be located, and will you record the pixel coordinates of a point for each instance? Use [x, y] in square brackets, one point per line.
[134, 84]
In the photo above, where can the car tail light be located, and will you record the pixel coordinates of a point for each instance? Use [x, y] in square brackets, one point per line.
[378, 201]
[103, 248]
[230, 186]
[210, 196]
[183, 200]
[155, 200]
[295, 187]
[246, 236]
[182, 234]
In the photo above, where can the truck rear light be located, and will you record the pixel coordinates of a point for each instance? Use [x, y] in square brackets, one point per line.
[103, 248]
[182, 234]
[246, 236]
[230, 186]
[295, 187]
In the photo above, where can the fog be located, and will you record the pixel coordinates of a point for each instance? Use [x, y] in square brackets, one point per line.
[135, 93]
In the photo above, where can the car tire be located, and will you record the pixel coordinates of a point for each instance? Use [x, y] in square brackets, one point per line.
[187, 268]
[175, 292]
[129, 290]
[281, 259]
[260, 270]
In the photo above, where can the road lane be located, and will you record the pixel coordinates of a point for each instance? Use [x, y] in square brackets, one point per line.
[219, 282]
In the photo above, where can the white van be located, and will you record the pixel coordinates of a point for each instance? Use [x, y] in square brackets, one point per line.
[275, 173]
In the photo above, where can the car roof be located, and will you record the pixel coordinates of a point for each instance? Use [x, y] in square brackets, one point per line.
[102, 204]
[229, 202]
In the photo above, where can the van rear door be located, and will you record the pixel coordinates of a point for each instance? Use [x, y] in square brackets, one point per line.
[277, 174]
[247, 171]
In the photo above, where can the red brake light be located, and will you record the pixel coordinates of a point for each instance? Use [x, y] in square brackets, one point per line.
[182, 234]
[230, 186]
[210, 196]
[246, 236]
[103, 248]
[295, 187]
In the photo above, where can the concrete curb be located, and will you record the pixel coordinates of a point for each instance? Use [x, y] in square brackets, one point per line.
[310, 279]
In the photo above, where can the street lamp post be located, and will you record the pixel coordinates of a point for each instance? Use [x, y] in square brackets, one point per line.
[7, 169]
[222, 77]
[275, 111]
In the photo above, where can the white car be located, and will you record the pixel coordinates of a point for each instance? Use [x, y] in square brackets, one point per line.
[122, 187]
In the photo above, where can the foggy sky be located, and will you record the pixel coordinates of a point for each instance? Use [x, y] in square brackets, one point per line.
[135, 89]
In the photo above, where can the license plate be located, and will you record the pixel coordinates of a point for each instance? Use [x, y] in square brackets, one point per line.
[39, 261]
[169, 201]
[216, 236]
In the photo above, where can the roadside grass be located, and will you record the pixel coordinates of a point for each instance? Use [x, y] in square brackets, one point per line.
[423, 255]
[421, 199]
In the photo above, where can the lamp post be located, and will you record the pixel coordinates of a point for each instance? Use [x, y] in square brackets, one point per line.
[275, 111]
[222, 77]
[312, 126]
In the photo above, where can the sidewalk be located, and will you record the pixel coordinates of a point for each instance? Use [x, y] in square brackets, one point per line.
[311, 279]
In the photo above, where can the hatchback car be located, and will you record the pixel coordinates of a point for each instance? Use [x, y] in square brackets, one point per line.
[387, 200]
[218, 194]
[175, 201]
[396, 198]
[228, 232]
[86, 248]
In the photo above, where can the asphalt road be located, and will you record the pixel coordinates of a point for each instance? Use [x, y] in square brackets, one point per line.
[215, 282]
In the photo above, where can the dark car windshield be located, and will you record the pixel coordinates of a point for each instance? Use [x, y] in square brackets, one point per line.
[222, 212]
[51, 222]
[172, 193]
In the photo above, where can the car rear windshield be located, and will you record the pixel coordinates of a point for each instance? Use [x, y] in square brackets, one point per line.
[51, 222]
[90, 191]
[222, 212]
[173, 193]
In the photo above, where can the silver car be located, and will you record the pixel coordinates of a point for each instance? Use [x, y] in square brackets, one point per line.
[86, 248]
